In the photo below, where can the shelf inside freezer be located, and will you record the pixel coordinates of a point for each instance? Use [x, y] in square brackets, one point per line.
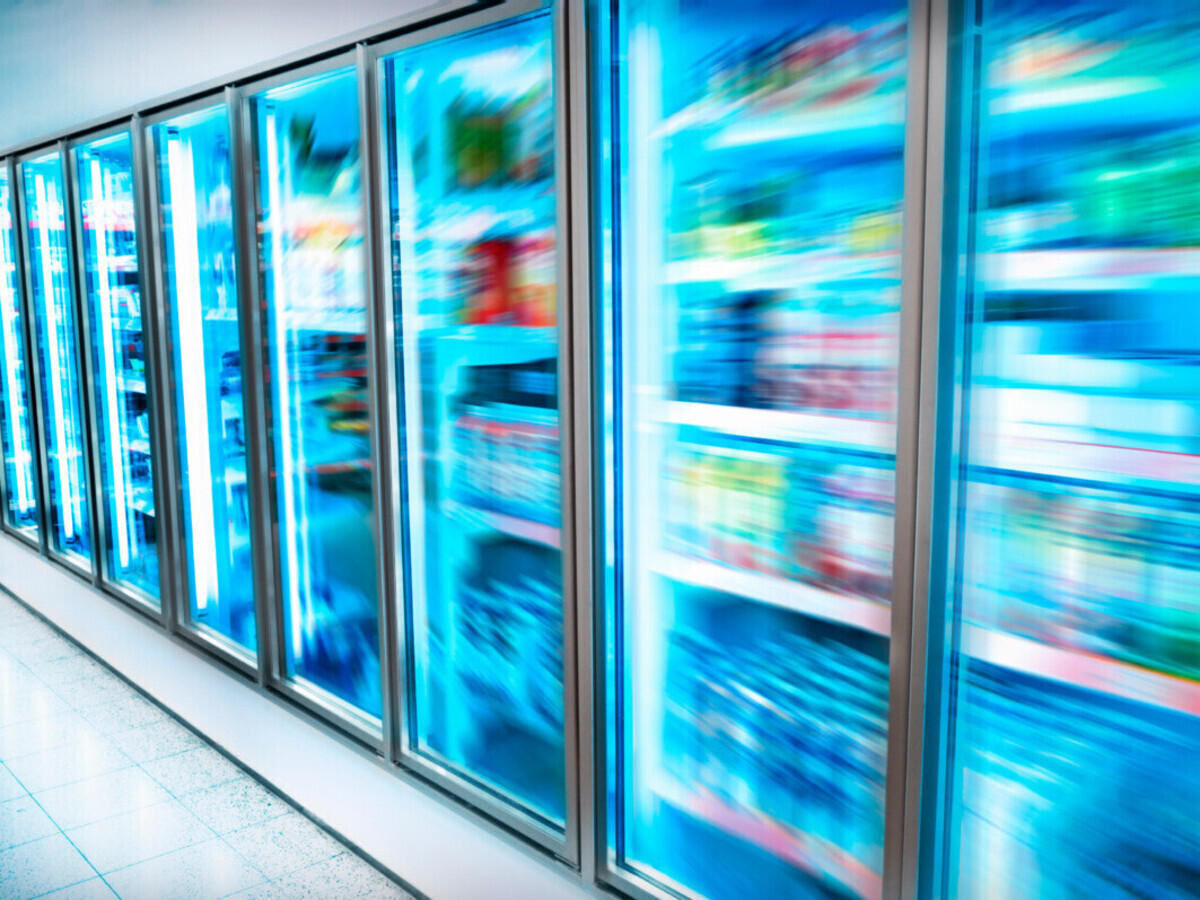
[499, 335]
[132, 384]
[844, 609]
[1091, 270]
[142, 500]
[513, 526]
[807, 852]
[784, 425]
[140, 445]
[1079, 107]
[783, 271]
[1085, 670]
[1096, 464]
[343, 321]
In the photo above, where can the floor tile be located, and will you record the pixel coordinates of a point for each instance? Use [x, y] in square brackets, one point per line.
[111, 717]
[23, 738]
[70, 668]
[33, 869]
[100, 797]
[44, 650]
[206, 871]
[155, 741]
[266, 891]
[284, 845]
[93, 889]
[346, 877]
[235, 804]
[23, 633]
[22, 821]
[192, 770]
[26, 702]
[87, 692]
[9, 786]
[139, 835]
[86, 758]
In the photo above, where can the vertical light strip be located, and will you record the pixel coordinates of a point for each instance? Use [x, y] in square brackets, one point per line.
[55, 375]
[23, 493]
[189, 314]
[108, 335]
[280, 308]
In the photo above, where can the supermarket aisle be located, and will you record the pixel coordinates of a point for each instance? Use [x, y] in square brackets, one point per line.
[102, 795]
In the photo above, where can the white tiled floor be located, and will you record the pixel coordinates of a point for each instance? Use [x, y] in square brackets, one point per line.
[102, 795]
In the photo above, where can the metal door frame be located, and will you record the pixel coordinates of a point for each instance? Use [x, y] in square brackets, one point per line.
[88, 573]
[506, 812]
[180, 620]
[130, 594]
[17, 246]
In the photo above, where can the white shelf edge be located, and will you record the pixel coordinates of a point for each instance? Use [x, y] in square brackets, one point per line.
[843, 609]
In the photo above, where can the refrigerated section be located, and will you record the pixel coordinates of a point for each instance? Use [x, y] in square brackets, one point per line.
[471, 155]
[16, 417]
[1072, 593]
[58, 365]
[751, 263]
[112, 290]
[315, 307]
[196, 217]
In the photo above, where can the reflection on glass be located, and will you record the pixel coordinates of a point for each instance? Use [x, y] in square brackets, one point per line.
[750, 352]
[195, 187]
[313, 258]
[58, 366]
[105, 173]
[1072, 770]
[16, 421]
[471, 147]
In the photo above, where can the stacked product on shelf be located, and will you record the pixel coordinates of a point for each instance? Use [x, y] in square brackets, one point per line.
[800, 513]
[792, 729]
[1064, 795]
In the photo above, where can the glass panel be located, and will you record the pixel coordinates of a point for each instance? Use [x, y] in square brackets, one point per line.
[195, 187]
[58, 362]
[753, 205]
[314, 293]
[16, 421]
[471, 143]
[114, 297]
[1074, 591]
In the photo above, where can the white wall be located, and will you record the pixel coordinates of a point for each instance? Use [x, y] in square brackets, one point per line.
[67, 62]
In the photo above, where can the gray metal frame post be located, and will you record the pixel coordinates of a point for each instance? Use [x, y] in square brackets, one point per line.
[18, 249]
[34, 363]
[250, 328]
[73, 219]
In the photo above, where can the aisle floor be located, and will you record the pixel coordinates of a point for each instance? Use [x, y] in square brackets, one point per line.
[103, 794]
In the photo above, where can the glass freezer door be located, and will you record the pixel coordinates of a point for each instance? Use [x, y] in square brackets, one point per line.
[314, 293]
[16, 420]
[753, 182]
[50, 295]
[114, 301]
[197, 221]
[1069, 726]
[471, 143]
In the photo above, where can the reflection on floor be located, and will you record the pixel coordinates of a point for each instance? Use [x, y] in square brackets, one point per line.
[102, 794]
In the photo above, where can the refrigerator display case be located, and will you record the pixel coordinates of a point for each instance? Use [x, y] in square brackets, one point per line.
[750, 211]
[1071, 587]
[16, 418]
[314, 295]
[470, 132]
[196, 221]
[56, 359]
[104, 170]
